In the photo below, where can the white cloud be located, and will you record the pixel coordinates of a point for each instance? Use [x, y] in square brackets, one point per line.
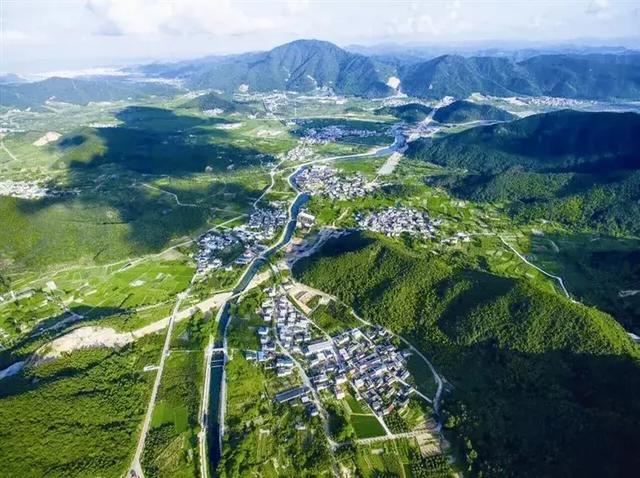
[14, 36]
[188, 17]
[598, 7]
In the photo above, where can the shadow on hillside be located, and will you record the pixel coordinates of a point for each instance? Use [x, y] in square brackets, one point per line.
[598, 270]
[554, 413]
[110, 166]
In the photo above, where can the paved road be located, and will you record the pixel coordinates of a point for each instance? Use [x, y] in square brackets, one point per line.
[175, 196]
[6, 150]
[436, 376]
[393, 436]
[135, 463]
[557, 278]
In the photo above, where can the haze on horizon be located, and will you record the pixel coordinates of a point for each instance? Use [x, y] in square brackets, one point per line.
[60, 35]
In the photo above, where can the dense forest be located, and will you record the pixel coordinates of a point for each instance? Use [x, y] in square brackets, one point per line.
[76, 416]
[465, 111]
[580, 169]
[541, 386]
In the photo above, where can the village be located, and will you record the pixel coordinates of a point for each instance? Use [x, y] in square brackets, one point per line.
[25, 190]
[326, 181]
[362, 361]
[332, 133]
[240, 244]
[394, 221]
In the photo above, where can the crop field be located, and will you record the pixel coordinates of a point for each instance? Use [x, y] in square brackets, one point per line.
[334, 318]
[366, 426]
[171, 448]
[389, 457]
[262, 438]
[131, 295]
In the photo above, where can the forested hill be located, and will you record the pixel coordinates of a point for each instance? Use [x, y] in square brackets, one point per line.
[79, 91]
[305, 65]
[410, 112]
[542, 386]
[465, 111]
[560, 141]
[594, 76]
[302, 65]
[215, 101]
[580, 169]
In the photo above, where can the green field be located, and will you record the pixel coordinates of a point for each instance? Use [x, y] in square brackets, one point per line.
[366, 426]
[262, 439]
[172, 444]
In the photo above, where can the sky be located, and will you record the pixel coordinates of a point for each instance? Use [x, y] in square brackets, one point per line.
[38, 36]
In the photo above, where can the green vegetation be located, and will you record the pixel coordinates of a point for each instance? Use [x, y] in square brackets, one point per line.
[390, 458]
[561, 75]
[172, 447]
[77, 90]
[410, 112]
[435, 466]
[262, 438]
[601, 271]
[576, 168]
[340, 425]
[334, 317]
[465, 111]
[534, 374]
[366, 426]
[78, 415]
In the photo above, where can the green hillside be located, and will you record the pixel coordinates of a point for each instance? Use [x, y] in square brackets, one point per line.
[594, 76]
[541, 386]
[212, 101]
[466, 111]
[411, 112]
[577, 168]
[79, 91]
[302, 65]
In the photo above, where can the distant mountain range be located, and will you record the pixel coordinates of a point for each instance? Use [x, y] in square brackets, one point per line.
[305, 65]
[302, 65]
[79, 91]
[308, 65]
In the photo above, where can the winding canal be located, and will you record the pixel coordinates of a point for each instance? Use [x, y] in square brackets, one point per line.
[216, 408]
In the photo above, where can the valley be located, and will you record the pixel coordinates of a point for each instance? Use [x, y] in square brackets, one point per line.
[284, 264]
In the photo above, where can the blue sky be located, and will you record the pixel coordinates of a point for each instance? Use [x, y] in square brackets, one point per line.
[54, 35]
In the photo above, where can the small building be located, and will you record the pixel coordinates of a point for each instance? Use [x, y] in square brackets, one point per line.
[316, 347]
[291, 394]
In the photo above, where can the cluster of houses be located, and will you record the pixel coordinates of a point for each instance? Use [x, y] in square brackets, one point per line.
[210, 244]
[300, 153]
[283, 324]
[323, 180]
[25, 190]
[377, 370]
[267, 221]
[363, 359]
[394, 221]
[456, 238]
[262, 226]
[332, 133]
